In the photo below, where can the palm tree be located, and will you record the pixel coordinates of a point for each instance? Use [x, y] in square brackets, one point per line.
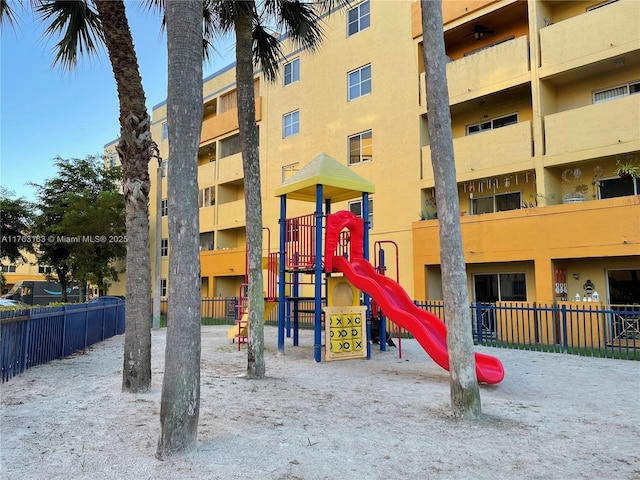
[465, 394]
[180, 405]
[82, 27]
[257, 43]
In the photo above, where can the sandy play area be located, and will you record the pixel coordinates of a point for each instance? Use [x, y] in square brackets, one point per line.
[553, 417]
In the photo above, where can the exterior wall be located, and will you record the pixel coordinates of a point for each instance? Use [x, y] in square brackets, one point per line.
[546, 73]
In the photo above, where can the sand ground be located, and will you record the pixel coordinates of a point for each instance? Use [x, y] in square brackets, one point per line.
[553, 417]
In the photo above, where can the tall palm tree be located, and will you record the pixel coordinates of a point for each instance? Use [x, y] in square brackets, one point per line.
[82, 27]
[180, 405]
[465, 394]
[256, 26]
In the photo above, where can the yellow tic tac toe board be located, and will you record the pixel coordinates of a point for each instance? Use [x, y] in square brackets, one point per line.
[346, 333]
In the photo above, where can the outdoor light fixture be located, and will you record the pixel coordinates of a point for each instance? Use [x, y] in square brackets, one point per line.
[576, 276]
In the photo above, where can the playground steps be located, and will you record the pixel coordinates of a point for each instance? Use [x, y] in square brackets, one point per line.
[240, 329]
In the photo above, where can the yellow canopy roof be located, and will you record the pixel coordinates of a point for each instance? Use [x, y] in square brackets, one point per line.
[338, 182]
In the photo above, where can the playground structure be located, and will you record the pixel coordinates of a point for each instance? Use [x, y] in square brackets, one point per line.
[342, 269]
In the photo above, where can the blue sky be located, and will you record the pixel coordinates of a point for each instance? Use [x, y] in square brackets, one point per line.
[46, 112]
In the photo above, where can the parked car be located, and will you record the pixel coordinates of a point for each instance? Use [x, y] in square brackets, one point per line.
[106, 300]
[5, 302]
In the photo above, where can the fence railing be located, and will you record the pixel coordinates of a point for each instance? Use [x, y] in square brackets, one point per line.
[568, 327]
[35, 336]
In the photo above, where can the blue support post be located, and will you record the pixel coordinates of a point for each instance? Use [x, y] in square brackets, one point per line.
[365, 254]
[281, 277]
[317, 344]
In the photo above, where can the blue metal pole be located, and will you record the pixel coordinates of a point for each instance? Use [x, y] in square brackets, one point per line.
[365, 254]
[317, 345]
[281, 278]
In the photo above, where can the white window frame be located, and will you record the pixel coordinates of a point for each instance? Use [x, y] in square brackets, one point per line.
[164, 207]
[491, 124]
[206, 197]
[291, 72]
[291, 124]
[355, 80]
[359, 202]
[289, 170]
[357, 153]
[163, 287]
[43, 269]
[165, 168]
[164, 247]
[624, 90]
[359, 17]
[165, 130]
[11, 268]
[634, 181]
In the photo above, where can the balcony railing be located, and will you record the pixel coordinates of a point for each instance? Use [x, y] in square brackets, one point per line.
[609, 128]
[490, 70]
[231, 214]
[230, 168]
[590, 37]
[225, 122]
[488, 153]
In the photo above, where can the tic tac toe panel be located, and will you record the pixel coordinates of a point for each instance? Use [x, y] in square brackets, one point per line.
[346, 334]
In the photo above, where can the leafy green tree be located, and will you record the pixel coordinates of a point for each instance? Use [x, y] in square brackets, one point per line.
[82, 26]
[80, 217]
[180, 404]
[15, 225]
[255, 25]
[465, 394]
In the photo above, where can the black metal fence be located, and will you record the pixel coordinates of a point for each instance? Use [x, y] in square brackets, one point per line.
[568, 327]
[35, 336]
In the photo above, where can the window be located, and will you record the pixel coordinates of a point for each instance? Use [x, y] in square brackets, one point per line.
[500, 287]
[163, 287]
[164, 247]
[359, 82]
[619, 187]
[492, 124]
[165, 168]
[616, 92]
[230, 145]
[206, 197]
[292, 71]
[496, 203]
[291, 124]
[165, 131]
[164, 207]
[361, 148]
[8, 268]
[44, 269]
[356, 209]
[358, 18]
[289, 170]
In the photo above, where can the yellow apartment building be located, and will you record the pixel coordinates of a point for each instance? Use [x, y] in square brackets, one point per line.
[544, 107]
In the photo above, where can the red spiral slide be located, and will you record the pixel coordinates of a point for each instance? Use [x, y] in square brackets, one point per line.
[428, 329]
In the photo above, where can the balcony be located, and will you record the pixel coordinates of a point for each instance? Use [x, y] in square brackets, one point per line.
[225, 122]
[590, 38]
[207, 218]
[491, 70]
[206, 173]
[231, 215]
[230, 168]
[606, 128]
[494, 152]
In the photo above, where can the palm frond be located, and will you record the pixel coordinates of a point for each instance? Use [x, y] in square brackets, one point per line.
[78, 25]
[267, 52]
[8, 15]
[301, 22]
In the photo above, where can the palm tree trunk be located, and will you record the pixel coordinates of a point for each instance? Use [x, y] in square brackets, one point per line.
[253, 198]
[465, 394]
[180, 405]
[134, 149]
